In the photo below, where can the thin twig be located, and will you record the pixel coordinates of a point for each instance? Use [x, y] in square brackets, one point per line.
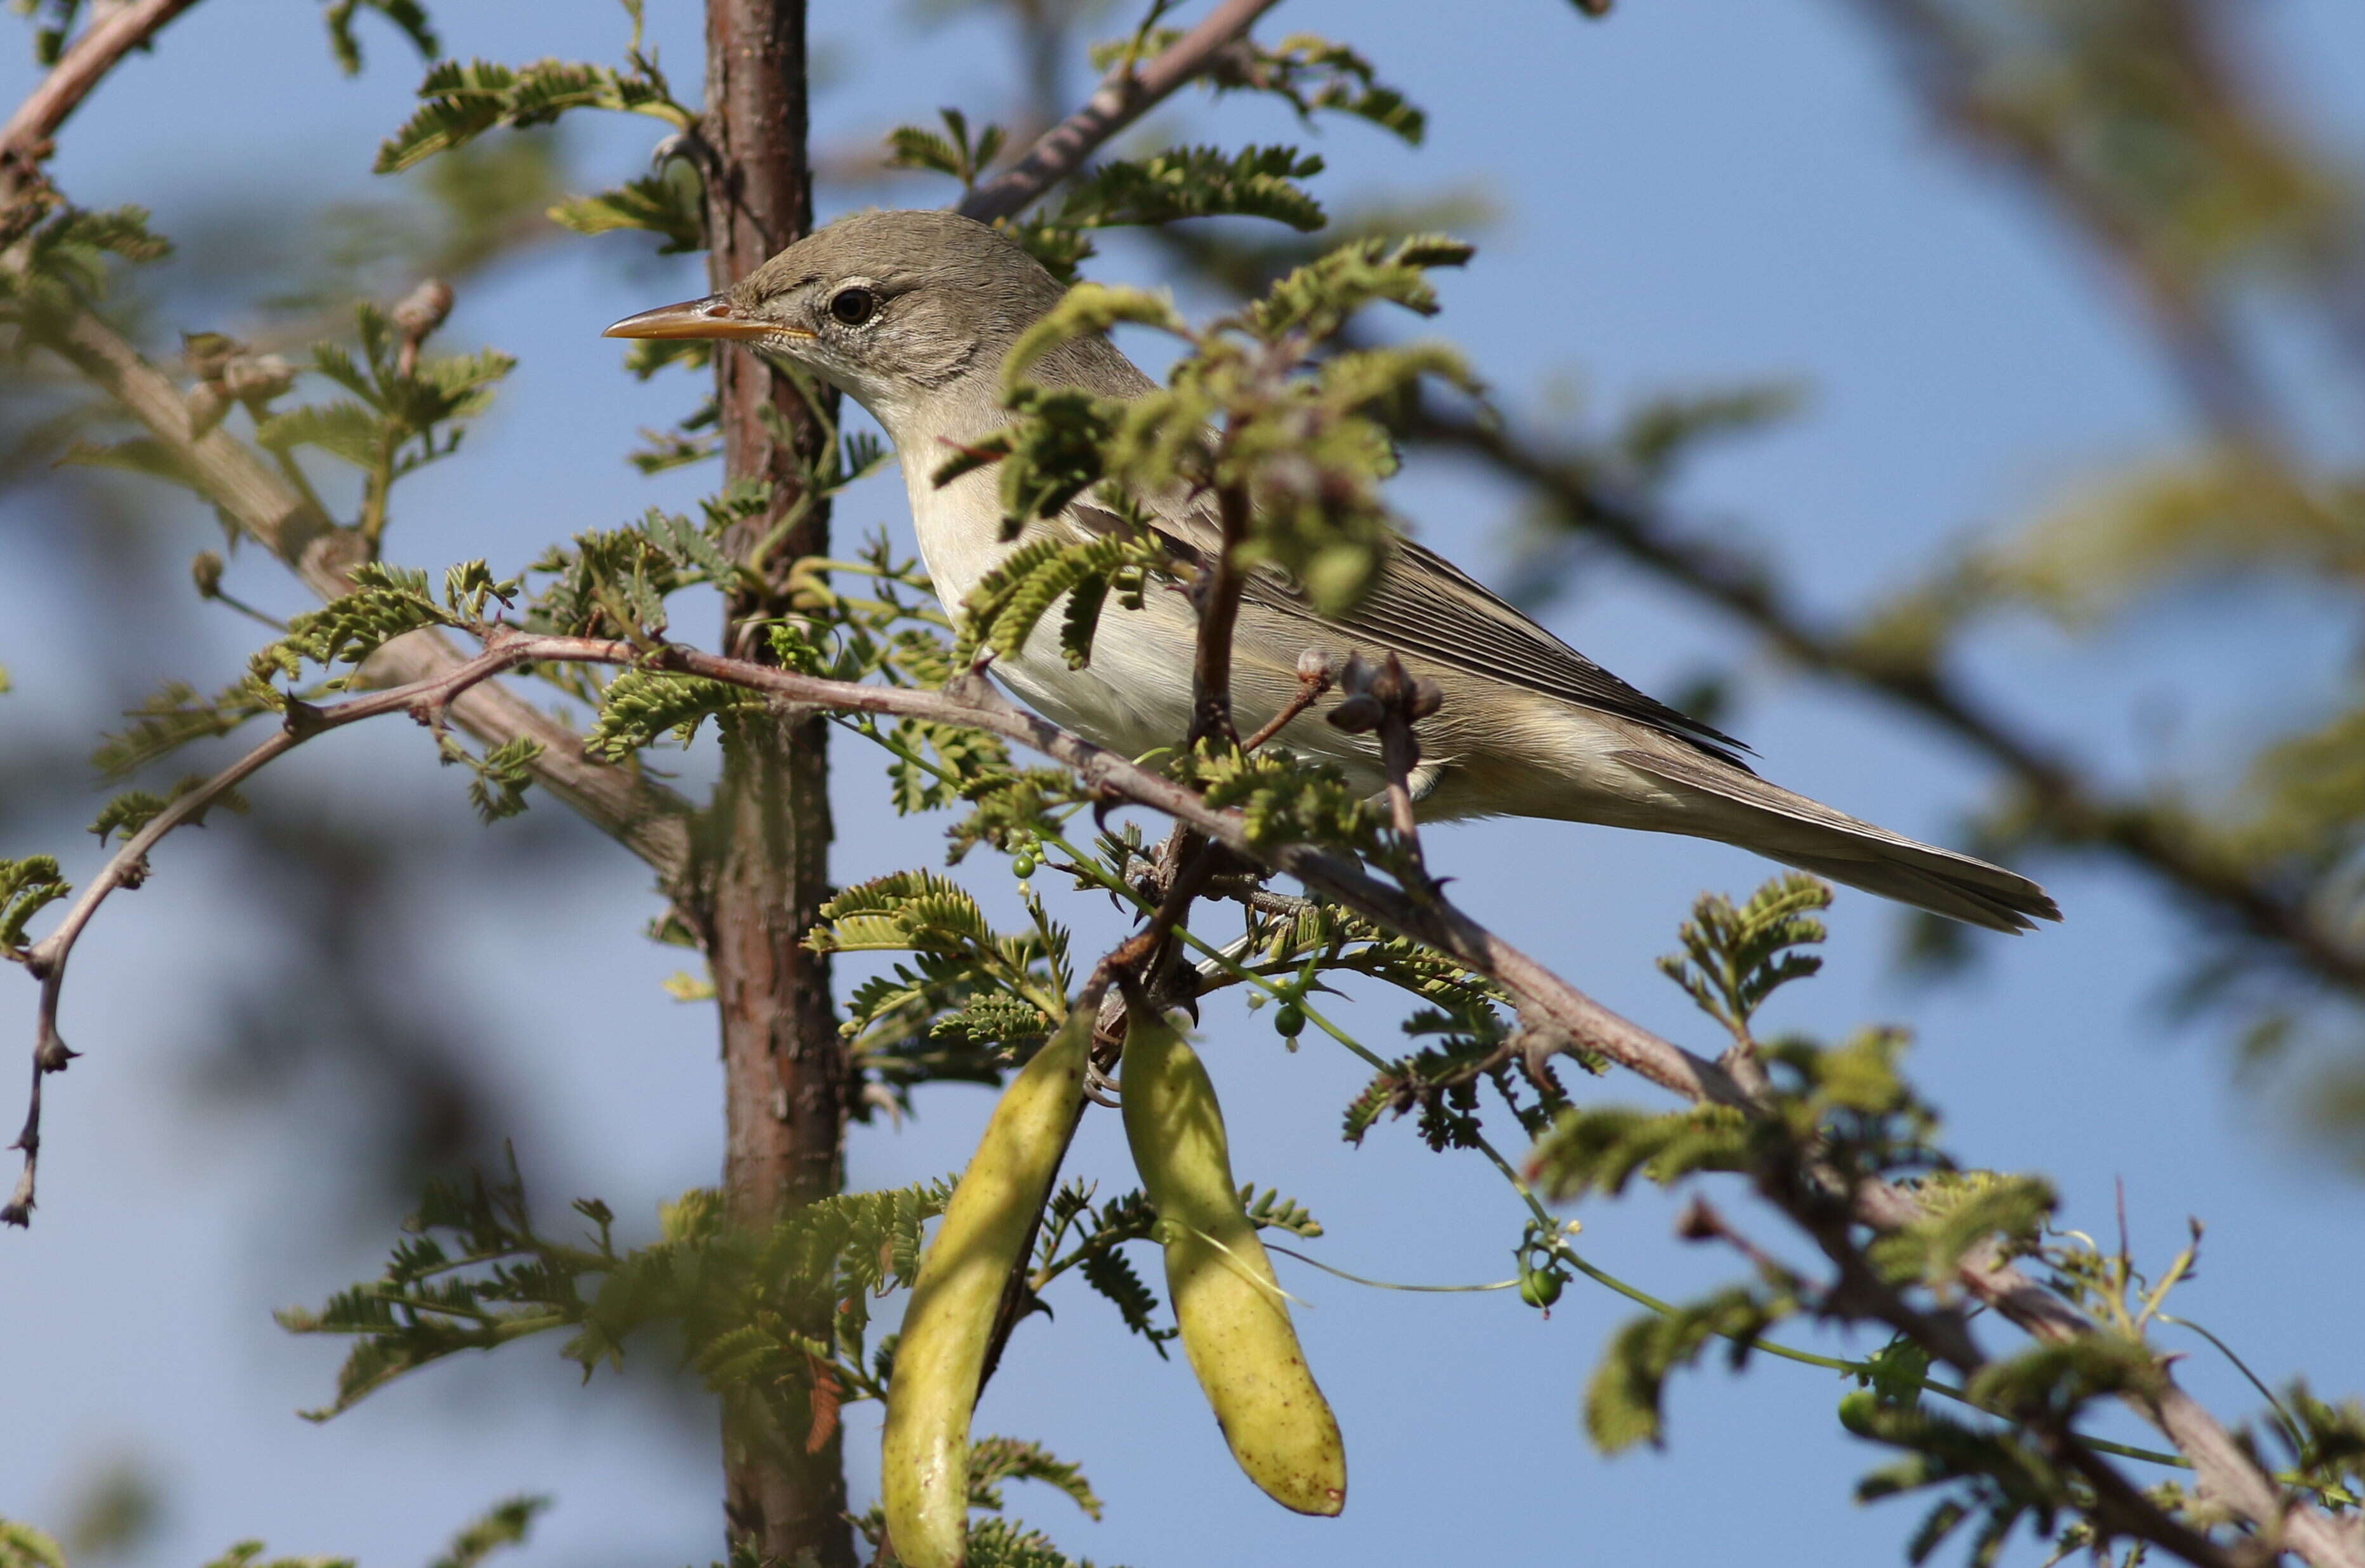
[1123, 96]
[1314, 678]
[1218, 596]
[25, 140]
[46, 959]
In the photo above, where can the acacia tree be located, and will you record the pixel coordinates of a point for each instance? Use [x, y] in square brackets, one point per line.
[769, 1279]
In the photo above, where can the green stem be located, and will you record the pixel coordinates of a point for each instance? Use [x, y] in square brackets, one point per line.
[1231, 966]
[1385, 1284]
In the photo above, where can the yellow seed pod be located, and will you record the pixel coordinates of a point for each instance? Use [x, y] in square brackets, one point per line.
[938, 1359]
[1234, 1318]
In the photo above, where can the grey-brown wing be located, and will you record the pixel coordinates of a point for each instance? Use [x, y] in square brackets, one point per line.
[1425, 606]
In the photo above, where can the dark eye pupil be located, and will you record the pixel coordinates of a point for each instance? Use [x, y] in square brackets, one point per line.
[854, 305]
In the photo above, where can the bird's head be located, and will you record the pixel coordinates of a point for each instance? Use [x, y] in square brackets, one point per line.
[893, 309]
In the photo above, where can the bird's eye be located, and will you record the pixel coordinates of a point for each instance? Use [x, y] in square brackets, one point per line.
[853, 307]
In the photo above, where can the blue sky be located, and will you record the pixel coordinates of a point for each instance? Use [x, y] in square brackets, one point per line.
[1692, 194]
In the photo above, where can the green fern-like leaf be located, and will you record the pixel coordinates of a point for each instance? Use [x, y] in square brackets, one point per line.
[461, 103]
[408, 15]
[645, 704]
[505, 1524]
[666, 204]
[176, 716]
[904, 911]
[1002, 611]
[22, 1546]
[1602, 1148]
[1623, 1401]
[27, 887]
[386, 602]
[992, 1461]
[1197, 181]
[1734, 958]
[1316, 298]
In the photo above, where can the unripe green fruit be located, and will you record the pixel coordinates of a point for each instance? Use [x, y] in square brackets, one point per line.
[1289, 1021]
[941, 1357]
[1230, 1308]
[1539, 1287]
[1024, 865]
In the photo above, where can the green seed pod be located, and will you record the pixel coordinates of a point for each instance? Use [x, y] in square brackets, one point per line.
[1234, 1318]
[938, 1360]
[1289, 1021]
[1539, 1287]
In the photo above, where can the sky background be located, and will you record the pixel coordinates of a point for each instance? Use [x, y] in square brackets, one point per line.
[1692, 194]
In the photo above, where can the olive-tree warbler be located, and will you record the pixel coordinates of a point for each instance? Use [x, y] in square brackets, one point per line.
[910, 315]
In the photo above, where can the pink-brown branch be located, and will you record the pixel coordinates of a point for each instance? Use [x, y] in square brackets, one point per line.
[2225, 1471]
[1123, 96]
[24, 140]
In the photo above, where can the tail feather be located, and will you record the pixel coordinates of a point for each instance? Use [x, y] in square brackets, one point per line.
[1787, 826]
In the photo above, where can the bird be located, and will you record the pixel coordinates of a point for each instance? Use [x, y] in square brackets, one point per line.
[910, 313]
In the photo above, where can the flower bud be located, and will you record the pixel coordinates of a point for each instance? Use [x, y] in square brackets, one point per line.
[1315, 667]
[208, 353]
[1426, 698]
[423, 309]
[1357, 715]
[259, 378]
[206, 572]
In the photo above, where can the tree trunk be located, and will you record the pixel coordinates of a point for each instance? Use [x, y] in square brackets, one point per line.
[787, 1084]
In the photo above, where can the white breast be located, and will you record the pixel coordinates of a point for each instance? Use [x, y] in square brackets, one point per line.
[1135, 695]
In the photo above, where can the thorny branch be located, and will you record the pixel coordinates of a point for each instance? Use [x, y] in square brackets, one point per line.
[1124, 96]
[1545, 999]
[1860, 1291]
[427, 699]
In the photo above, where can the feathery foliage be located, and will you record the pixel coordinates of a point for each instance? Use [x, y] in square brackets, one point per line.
[28, 886]
[476, 1273]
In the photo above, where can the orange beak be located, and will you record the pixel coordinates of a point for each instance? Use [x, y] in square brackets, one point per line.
[712, 317]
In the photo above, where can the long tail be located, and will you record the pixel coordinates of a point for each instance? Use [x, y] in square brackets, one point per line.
[1740, 808]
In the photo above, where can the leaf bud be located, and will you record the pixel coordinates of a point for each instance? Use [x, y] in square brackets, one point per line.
[259, 378]
[1315, 667]
[208, 353]
[423, 309]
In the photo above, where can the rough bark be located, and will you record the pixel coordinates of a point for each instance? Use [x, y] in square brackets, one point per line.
[788, 1084]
